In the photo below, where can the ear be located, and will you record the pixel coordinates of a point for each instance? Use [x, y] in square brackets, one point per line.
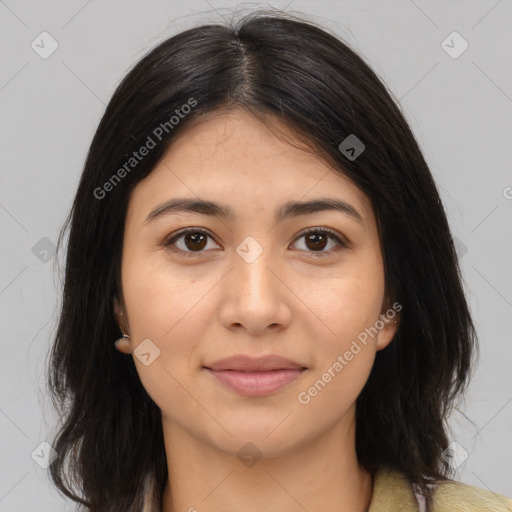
[120, 317]
[390, 319]
[117, 306]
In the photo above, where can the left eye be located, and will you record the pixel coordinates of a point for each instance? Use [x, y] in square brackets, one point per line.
[196, 240]
[317, 239]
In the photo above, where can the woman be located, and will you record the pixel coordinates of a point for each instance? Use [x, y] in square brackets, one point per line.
[255, 222]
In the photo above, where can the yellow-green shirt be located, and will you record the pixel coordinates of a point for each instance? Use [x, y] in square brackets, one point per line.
[392, 492]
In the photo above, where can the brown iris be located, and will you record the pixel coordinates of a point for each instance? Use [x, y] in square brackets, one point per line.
[195, 241]
[316, 241]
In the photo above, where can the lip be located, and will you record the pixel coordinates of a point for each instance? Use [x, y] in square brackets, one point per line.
[250, 376]
[260, 383]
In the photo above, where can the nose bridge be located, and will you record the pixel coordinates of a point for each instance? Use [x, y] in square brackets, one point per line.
[253, 296]
[251, 264]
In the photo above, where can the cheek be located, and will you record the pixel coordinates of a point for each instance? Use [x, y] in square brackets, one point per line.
[347, 304]
[159, 298]
[345, 347]
[334, 388]
[165, 308]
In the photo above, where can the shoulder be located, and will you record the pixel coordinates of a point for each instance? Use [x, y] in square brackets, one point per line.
[451, 496]
[392, 491]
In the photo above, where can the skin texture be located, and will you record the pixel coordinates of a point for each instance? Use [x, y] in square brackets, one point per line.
[201, 308]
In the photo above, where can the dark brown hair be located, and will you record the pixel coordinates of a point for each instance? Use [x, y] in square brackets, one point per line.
[271, 65]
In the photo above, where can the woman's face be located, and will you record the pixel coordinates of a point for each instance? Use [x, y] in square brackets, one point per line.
[251, 282]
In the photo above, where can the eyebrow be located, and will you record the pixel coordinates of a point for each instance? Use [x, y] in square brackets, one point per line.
[289, 210]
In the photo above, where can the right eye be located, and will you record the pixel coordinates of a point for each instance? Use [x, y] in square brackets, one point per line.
[191, 240]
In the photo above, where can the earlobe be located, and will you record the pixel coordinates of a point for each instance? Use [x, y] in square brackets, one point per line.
[124, 344]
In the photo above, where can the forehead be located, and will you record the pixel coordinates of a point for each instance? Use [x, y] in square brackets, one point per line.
[236, 157]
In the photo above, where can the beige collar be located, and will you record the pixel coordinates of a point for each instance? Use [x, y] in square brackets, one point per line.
[391, 492]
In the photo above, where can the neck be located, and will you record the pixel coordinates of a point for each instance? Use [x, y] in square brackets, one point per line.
[322, 475]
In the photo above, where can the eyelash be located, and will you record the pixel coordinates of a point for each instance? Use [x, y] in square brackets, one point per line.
[314, 254]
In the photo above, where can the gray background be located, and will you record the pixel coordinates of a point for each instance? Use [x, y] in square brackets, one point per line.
[459, 109]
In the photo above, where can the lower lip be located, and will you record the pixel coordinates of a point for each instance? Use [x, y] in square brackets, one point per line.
[256, 383]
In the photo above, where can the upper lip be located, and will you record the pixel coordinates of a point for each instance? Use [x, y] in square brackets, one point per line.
[247, 363]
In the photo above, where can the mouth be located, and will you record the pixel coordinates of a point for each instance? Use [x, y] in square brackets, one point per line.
[256, 383]
[255, 376]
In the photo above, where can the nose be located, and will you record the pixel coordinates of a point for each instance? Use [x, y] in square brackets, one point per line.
[255, 298]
